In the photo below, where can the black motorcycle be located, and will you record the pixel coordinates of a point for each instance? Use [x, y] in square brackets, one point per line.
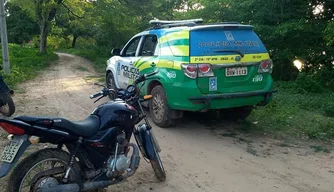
[7, 107]
[98, 151]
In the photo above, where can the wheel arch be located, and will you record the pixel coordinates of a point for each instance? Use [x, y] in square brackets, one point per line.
[153, 84]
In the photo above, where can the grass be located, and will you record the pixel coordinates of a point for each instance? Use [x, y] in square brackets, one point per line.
[319, 148]
[25, 63]
[302, 115]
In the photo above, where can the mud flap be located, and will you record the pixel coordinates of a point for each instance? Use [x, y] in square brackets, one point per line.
[5, 166]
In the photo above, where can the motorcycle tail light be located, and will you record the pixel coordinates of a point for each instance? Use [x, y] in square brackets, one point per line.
[12, 129]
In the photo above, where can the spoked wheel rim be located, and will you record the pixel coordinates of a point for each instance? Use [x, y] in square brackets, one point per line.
[31, 183]
[158, 107]
[5, 109]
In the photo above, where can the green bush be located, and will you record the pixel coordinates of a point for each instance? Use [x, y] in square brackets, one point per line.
[55, 42]
[323, 130]
[298, 114]
[329, 110]
[25, 63]
[307, 83]
[326, 77]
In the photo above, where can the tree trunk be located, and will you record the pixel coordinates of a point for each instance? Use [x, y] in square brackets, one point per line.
[44, 36]
[74, 41]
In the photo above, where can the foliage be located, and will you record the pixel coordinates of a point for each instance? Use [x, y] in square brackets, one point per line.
[329, 33]
[25, 63]
[308, 84]
[56, 43]
[20, 27]
[296, 114]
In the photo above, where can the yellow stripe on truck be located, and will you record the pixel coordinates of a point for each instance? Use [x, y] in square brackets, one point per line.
[184, 34]
[229, 59]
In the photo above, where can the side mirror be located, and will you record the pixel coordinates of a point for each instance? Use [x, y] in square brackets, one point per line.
[116, 51]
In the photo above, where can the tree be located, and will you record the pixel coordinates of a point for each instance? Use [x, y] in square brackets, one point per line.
[21, 28]
[44, 12]
[79, 21]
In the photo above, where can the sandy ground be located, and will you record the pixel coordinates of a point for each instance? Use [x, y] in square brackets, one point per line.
[196, 157]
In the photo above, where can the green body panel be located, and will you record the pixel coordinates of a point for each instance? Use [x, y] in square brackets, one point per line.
[247, 83]
[181, 88]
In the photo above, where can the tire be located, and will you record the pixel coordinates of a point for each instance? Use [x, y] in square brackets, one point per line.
[20, 171]
[234, 114]
[110, 82]
[157, 165]
[158, 104]
[8, 107]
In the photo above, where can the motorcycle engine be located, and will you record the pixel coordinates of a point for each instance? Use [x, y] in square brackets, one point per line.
[121, 164]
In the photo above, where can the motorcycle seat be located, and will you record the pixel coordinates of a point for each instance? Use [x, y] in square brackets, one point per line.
[86, 128]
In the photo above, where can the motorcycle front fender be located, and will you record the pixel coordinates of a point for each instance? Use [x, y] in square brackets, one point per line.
[5, 166]
[145, 142]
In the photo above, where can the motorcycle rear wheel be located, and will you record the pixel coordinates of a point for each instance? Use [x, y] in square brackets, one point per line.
[22, 172]
[8, 108]
[27, 166]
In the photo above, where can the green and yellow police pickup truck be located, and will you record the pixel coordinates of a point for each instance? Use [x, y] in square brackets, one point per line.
[223, 66]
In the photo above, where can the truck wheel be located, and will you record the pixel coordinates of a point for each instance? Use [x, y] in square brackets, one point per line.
[234, 114]
[159, 109]
[110, 81]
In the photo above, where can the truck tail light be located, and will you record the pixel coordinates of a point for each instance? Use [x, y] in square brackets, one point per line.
[190, 70]
[266, 66]
[205, 70]
[197, 70]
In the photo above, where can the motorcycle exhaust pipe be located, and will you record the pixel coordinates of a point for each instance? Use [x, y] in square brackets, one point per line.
[78, 187]
[75, 187]
[135, 160]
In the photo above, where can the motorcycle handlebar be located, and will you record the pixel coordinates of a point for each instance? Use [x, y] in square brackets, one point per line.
[140, 79]
[96, 95]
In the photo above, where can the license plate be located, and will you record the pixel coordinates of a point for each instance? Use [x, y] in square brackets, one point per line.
[236, 71]
[11, 150]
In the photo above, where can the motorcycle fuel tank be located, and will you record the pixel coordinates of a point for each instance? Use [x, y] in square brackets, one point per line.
[116, 113]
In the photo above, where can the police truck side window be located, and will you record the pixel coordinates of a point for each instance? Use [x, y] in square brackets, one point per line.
[132, 48]
[149, 46]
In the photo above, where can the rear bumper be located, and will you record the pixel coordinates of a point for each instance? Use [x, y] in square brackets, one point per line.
[208, 98]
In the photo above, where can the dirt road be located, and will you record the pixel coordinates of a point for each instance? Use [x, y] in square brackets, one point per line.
[196, 157]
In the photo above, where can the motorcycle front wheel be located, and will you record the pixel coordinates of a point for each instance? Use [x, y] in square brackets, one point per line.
[156, 163]
[7, 107]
